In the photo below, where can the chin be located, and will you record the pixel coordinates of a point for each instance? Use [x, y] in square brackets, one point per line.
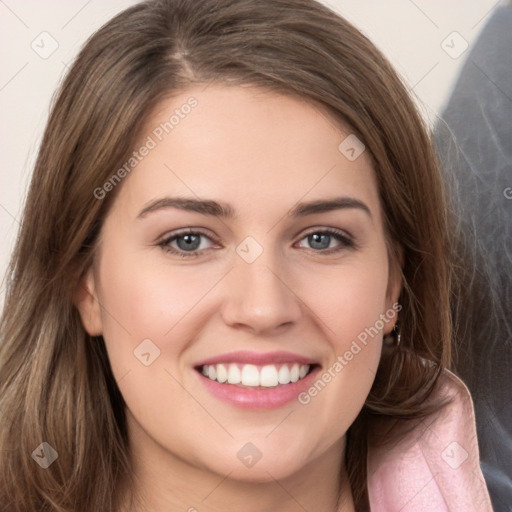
[264, 460]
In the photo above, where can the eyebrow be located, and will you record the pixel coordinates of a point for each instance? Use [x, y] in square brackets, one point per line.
[224, 210]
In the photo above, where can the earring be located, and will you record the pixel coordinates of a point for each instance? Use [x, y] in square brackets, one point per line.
[396, 334]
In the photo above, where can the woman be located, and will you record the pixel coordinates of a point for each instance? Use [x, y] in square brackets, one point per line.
[231, 287]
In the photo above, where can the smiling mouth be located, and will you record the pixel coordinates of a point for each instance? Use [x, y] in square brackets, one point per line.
[256, 376]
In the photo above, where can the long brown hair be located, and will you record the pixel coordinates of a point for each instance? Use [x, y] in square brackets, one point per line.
[56, 384]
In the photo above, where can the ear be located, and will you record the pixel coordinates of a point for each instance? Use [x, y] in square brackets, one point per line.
[87, 302]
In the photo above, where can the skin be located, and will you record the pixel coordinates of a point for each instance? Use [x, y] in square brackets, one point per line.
[293, 297]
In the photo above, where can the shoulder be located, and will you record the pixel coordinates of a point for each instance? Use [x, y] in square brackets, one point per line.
[436, 465]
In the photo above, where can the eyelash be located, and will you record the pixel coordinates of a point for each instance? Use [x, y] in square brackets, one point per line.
[346, 242]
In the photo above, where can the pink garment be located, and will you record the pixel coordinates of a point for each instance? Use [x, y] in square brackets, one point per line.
[435, 467]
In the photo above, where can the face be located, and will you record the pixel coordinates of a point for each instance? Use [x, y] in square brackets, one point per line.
[251, 311]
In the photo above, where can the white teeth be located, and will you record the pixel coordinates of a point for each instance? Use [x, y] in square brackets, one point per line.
[284, 375]
[222, 373]
[233, 374]
[250, 375]
[303, 371]
[268, 376]
[294, 373]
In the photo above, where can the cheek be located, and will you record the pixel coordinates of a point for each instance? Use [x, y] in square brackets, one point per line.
[150, 314]
[149, 295]
[148, 301]
[350, 304]
[351, 298]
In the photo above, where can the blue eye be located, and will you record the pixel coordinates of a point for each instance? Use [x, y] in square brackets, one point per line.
[188, 243]
[321, 239]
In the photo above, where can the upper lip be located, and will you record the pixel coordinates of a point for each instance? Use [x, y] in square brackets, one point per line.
[257, 358]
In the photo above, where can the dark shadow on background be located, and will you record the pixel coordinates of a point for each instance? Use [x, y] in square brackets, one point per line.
[474, 143]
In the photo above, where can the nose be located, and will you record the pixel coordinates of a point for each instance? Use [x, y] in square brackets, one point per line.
[259, 297]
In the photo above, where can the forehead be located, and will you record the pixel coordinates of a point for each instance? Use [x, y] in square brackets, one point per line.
[248, 146]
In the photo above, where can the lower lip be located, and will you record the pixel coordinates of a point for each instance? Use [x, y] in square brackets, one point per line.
[257, 398]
